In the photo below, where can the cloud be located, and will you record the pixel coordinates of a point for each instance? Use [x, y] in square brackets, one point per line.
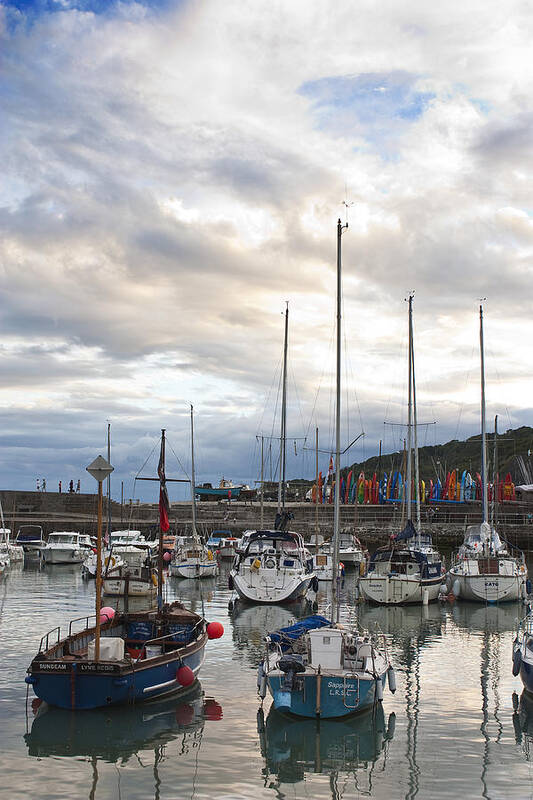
[172, 173]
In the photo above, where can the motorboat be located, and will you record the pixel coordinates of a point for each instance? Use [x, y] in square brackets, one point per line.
[64, 547]
[31, 539]
[351, 551]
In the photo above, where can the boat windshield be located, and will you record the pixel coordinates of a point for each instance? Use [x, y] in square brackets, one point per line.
[62, 538]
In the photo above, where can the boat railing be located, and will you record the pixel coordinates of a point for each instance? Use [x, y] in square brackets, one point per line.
[525, 626]
[169, 636]
[46, 639]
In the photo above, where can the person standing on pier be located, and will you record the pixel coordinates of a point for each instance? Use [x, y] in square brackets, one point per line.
[59, 487]
[43, 485]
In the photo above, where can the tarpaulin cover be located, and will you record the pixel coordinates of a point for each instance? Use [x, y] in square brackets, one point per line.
[294, 632]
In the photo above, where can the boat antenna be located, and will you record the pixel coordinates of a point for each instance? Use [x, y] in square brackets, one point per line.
[336, 517]
[415, 425]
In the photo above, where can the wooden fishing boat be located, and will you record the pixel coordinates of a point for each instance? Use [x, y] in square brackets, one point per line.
[126, 657]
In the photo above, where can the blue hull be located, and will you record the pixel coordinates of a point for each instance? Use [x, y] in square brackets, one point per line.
[79, 688]
[338, 696]
[526, 676]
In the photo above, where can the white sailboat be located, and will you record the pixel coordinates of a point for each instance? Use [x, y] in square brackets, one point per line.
[319, 668]
[274, 566]
[193, 559]
[484, 569]
[409, 569]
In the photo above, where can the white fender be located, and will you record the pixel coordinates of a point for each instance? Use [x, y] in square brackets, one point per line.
[456, 588]
[379, 689]
[391, 675]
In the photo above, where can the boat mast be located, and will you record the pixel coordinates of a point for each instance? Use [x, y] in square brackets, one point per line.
[408, 493]
[109, 483]
[337, 507]
[485, 507]
[193, 494]
[283, 435]
[316, 491]
[494, 511]
[415, 429]
[262, 483]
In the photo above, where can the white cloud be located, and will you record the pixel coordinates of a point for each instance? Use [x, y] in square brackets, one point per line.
[168, 184]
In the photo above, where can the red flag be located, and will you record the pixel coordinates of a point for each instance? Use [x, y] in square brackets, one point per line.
[164, 505]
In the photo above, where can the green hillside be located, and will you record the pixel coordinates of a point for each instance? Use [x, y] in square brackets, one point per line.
[515, 449]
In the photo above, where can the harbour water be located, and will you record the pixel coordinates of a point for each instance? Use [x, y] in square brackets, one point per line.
[451, 730]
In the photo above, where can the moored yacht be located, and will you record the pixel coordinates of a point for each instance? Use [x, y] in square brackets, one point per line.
[64, 547]
[485, 569]
[274, 567]
[31, 539]
[409, 569]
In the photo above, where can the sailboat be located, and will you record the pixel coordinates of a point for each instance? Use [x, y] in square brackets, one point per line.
[318, 667]
[112, 658]
[409, 569]
[193, 559]
[274, 566]
[486, 568]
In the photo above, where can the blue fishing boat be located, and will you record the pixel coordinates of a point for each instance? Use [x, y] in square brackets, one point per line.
[122, 658]
[318, 667]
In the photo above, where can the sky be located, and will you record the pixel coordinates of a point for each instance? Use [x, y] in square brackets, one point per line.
[172, 174]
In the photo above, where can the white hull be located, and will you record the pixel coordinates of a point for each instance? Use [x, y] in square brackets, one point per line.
[488, 588]
[16, 553]
[116, 587]
[351, 558]
[270, 586]
[397, 590]
[187, 569]
[63, 555]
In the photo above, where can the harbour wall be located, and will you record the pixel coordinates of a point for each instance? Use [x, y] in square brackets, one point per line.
[373, 524]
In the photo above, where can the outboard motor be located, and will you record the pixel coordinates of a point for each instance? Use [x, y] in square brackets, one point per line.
[291, 665]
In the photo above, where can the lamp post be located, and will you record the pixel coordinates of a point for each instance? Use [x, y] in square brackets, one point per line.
[100, 469]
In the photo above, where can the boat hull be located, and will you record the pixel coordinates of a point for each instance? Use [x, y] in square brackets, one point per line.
[399, 590]
[116, 587]
[257, 588]
[488, 588]
[196, 570]
[89, 685]
[62, 555]
[323, 695]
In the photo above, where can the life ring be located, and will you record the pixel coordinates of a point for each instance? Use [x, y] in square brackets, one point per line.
[154, 578]
[110, 561]
[270, 563]
[209, 555]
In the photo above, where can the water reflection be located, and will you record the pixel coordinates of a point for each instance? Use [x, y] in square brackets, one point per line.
[116, 735]
[251, 623]
[343, 749]
[485, 618]
[523, 723]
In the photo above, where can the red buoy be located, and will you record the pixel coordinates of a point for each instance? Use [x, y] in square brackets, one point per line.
[106, 614]
[214, 630]
[212, 709]
[185, 675]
